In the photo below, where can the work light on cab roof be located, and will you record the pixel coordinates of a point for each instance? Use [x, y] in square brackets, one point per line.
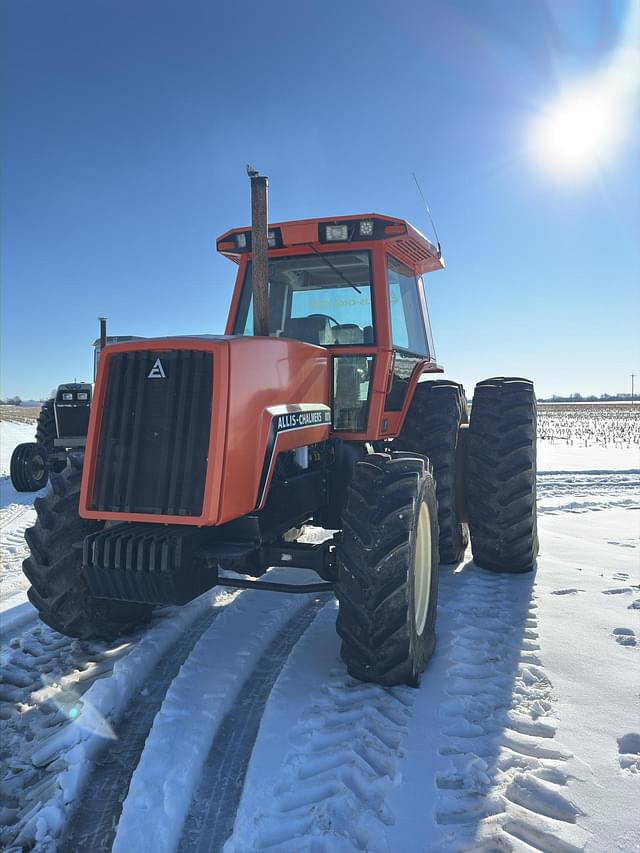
[353, 230]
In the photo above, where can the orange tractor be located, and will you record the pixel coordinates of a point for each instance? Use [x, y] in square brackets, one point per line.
[211, 453]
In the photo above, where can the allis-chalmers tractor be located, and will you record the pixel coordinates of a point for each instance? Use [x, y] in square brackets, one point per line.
[207, 454]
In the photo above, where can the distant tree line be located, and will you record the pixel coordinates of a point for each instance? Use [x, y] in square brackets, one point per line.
[18, 401]
[578, 398]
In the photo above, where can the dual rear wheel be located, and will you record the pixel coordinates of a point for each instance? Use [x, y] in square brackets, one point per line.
[405, 511]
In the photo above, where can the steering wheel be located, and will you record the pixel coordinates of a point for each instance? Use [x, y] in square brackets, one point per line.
[327, 317]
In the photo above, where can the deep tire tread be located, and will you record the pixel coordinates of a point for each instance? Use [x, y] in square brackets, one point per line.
[500, 474]
[431, 428]
[374, 556]
[46, 432]
[59, 591]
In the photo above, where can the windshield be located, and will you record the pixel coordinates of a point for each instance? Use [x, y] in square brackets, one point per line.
[321, 299]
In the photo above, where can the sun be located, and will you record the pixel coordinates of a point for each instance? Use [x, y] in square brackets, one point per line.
[577, 134]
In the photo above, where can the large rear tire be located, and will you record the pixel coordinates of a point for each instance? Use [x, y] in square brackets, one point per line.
[500, 474]
[59, 590]
[387, 584]
[46, 434]
[28, 467]
[432, 428]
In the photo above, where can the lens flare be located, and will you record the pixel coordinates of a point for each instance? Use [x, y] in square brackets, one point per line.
[76, 708]
[586, 126]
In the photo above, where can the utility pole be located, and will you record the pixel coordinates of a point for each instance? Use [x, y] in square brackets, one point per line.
[633, 377]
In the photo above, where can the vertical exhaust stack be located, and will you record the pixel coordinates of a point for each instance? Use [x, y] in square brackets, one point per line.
[101, 346]
[259, 250]
[103, 332]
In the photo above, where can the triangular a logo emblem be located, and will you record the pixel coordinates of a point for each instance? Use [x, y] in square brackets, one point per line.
[157, 371]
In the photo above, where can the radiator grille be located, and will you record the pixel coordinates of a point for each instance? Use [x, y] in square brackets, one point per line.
[72, 419]
[154, 436]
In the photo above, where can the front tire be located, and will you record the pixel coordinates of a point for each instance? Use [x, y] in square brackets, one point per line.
[28, 467]
[387, 584]
[59, 591]
[500, 474]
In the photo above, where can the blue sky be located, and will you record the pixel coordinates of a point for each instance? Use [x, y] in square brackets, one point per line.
[128, 126]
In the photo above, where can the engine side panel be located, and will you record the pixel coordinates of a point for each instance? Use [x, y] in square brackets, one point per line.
[278, 400]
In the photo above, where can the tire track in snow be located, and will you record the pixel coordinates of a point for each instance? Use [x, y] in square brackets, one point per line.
[199, 698]
[210, 820]
[587, 491]
[14, 520]
[507, 775]
[583, 483]
[46, 756]
[27, 721]
[12, 517]
[327, 754]
[93, 827]
[15, 614]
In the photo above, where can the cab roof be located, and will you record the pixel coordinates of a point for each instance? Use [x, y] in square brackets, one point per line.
[404, 241]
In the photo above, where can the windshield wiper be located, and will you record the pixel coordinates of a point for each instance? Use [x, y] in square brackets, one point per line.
[335, 269]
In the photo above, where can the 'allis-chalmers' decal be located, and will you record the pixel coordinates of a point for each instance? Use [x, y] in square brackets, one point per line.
[296, 420]
[282, 422]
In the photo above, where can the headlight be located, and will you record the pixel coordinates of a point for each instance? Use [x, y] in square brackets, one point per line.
[336, 232]
[67, 395]
[366, 228]
[83, 395]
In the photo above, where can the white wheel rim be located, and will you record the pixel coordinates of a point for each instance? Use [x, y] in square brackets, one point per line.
[422, 568]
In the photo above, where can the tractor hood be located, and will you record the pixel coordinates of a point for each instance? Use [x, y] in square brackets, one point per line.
[186, 430]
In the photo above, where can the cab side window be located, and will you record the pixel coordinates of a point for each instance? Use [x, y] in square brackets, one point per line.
[407, 323]
[409, 335]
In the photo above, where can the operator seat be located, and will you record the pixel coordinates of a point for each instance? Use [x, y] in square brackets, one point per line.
[348, 333]
[311, 330]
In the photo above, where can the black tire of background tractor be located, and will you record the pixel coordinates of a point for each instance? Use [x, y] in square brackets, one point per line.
[500, 475]
[28, 467]
[59, 590]
[431, 428]
[376, 592]
[46, 434]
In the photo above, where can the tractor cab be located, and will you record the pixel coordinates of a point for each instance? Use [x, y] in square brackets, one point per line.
[353, 285]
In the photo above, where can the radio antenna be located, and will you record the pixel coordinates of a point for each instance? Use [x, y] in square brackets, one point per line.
[426, 207]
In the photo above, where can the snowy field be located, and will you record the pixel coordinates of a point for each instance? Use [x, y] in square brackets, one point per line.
[231, 724]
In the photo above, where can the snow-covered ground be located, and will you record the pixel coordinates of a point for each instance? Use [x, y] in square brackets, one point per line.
[232, 724]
